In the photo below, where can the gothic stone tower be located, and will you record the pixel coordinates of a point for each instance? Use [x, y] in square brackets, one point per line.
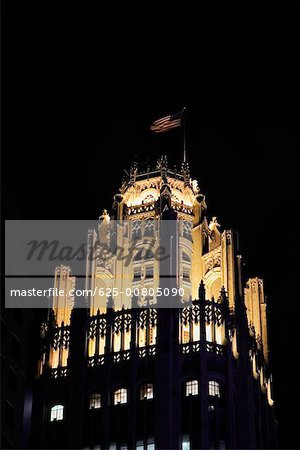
[168, 354]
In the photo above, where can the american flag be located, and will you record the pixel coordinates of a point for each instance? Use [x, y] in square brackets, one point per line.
[167, 123]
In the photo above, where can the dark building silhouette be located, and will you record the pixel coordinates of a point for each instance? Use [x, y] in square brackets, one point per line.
[18, 327]
[170, 353]
[14, 370]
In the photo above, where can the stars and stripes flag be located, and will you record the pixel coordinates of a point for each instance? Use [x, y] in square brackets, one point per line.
[167, 123]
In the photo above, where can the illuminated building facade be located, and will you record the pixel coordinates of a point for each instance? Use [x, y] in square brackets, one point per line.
[150, 371]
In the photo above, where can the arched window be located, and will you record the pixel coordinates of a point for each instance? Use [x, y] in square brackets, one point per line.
[136, 229]
[148, 254]
[144, 253]
[187, 229]
[56, 413]
[139, 255]
[185, 257]
[149, 227]
[146, 391]
[214, 389]
[95, 401]
[120, 396]
[191, 388]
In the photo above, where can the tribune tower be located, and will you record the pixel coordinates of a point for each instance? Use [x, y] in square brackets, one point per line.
[137, 370]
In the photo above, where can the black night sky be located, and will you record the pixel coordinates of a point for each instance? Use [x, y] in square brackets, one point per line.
[82, 82]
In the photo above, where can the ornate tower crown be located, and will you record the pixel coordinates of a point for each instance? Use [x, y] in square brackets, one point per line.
[141, 192]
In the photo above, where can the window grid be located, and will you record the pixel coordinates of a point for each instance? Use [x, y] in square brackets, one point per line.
[56, 413]
[191, 388]
[214, 389]
[120, 396]
[95, 401]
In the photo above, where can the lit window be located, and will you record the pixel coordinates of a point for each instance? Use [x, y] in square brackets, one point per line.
[120, 396]
[186, 275]
[95, 401]
[185, 445]
[146, 391]
[137, 274]
[150, 445]
[211, 407]
[151, 335]
[214, 389]
[186, 337]
[56, 413]
[149, 272]
[191, 388]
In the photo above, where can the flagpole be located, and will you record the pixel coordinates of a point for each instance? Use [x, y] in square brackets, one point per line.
[184, 135]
